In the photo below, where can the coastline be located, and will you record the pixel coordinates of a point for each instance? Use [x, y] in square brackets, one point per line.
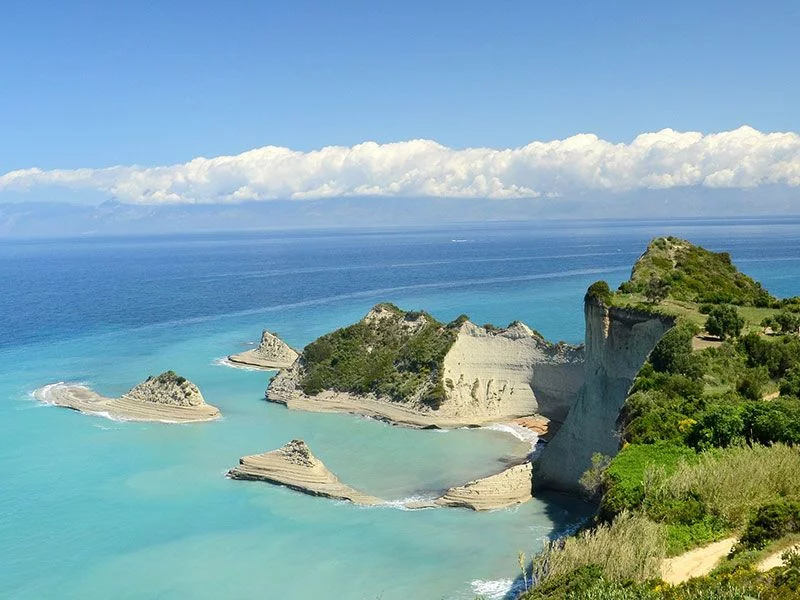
[85, 400]
[294, 466]
[283, 390]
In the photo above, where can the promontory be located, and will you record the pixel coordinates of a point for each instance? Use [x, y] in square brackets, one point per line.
[408, 368]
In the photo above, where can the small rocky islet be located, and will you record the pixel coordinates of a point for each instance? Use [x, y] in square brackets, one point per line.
[167, 398]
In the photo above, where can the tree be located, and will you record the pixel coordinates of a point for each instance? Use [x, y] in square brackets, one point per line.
[724, 321]
[673, 354]
[656, 290]
[788, 322]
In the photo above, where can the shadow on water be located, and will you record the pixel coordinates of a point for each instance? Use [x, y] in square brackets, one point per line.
[568, 513]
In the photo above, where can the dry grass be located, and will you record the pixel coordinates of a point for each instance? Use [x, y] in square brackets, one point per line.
[631, 548]
[734, 482]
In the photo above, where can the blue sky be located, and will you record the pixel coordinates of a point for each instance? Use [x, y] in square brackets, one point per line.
[95, 84]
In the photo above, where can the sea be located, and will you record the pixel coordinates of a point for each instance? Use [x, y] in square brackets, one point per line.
[92, 508]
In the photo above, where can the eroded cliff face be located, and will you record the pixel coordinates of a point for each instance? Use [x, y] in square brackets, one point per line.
[618, 342]
[488, 375]
[511, 372]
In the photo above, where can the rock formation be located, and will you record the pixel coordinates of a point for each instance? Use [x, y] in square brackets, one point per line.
[271, 353]
[507, 488]
[168, 398]
[618, 341]
[487, 375]
[294, 466]
[510, 372]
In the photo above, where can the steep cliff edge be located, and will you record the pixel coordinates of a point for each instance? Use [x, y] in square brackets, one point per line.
[618, 342]
[407, 368]
[511, 371]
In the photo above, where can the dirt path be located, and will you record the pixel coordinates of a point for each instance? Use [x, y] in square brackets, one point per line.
[771, 396]
[774, 560]
[695, 563]
[700, 342]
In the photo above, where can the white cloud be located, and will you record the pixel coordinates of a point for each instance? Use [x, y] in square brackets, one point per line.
[742, 158]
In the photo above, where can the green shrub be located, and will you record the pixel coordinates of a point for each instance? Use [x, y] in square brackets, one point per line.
[673, 353]
[393, 357]
[790, 384]
[724, 321]
[599, 290]
[720, 426]
[625, 477]
[772, 521]
[751, 383]
[775, 421]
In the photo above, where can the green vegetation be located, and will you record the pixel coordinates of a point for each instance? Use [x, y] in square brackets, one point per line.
[695, 274]
[398, 355]
[168, 377]
[724, 321]
[711, 441]
[771, 522]
[599, 290]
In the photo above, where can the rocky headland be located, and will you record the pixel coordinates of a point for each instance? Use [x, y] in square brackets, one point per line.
[271, 353]
[409, 369]
[294, 466]
[167, 398]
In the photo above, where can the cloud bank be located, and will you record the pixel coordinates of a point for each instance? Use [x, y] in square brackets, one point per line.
[742, 158]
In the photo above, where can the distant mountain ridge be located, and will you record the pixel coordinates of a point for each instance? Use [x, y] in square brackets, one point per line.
[61, 219]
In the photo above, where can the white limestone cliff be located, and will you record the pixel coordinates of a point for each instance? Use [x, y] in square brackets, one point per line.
[618, 342]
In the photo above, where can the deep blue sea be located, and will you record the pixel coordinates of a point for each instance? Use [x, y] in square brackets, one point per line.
[97, 509]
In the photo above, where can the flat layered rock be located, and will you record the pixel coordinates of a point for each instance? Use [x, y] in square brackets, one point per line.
[295, 467]
[507, 488]
[271, 353]
[167, 398]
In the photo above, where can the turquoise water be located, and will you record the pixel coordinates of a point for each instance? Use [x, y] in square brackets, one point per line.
[92, 508]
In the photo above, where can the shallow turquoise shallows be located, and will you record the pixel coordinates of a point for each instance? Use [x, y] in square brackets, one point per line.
[96, 509]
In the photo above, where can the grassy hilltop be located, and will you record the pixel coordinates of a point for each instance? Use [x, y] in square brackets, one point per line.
[710, 433]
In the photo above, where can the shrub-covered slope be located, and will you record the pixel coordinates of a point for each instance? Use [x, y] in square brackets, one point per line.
[694, 274]
[391, 353]
[711, 445]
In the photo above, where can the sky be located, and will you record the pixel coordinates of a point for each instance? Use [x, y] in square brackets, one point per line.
[327, 99]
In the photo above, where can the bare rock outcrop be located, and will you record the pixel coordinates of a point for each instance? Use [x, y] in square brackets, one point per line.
[487, 375]
[512, 372]
[272, 353]
[507, 488]
[168, 398]
[294, 466]
[618, 342]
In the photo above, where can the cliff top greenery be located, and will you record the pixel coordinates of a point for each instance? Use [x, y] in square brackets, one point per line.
[693, 274]
[396, 354]
[710, 437]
